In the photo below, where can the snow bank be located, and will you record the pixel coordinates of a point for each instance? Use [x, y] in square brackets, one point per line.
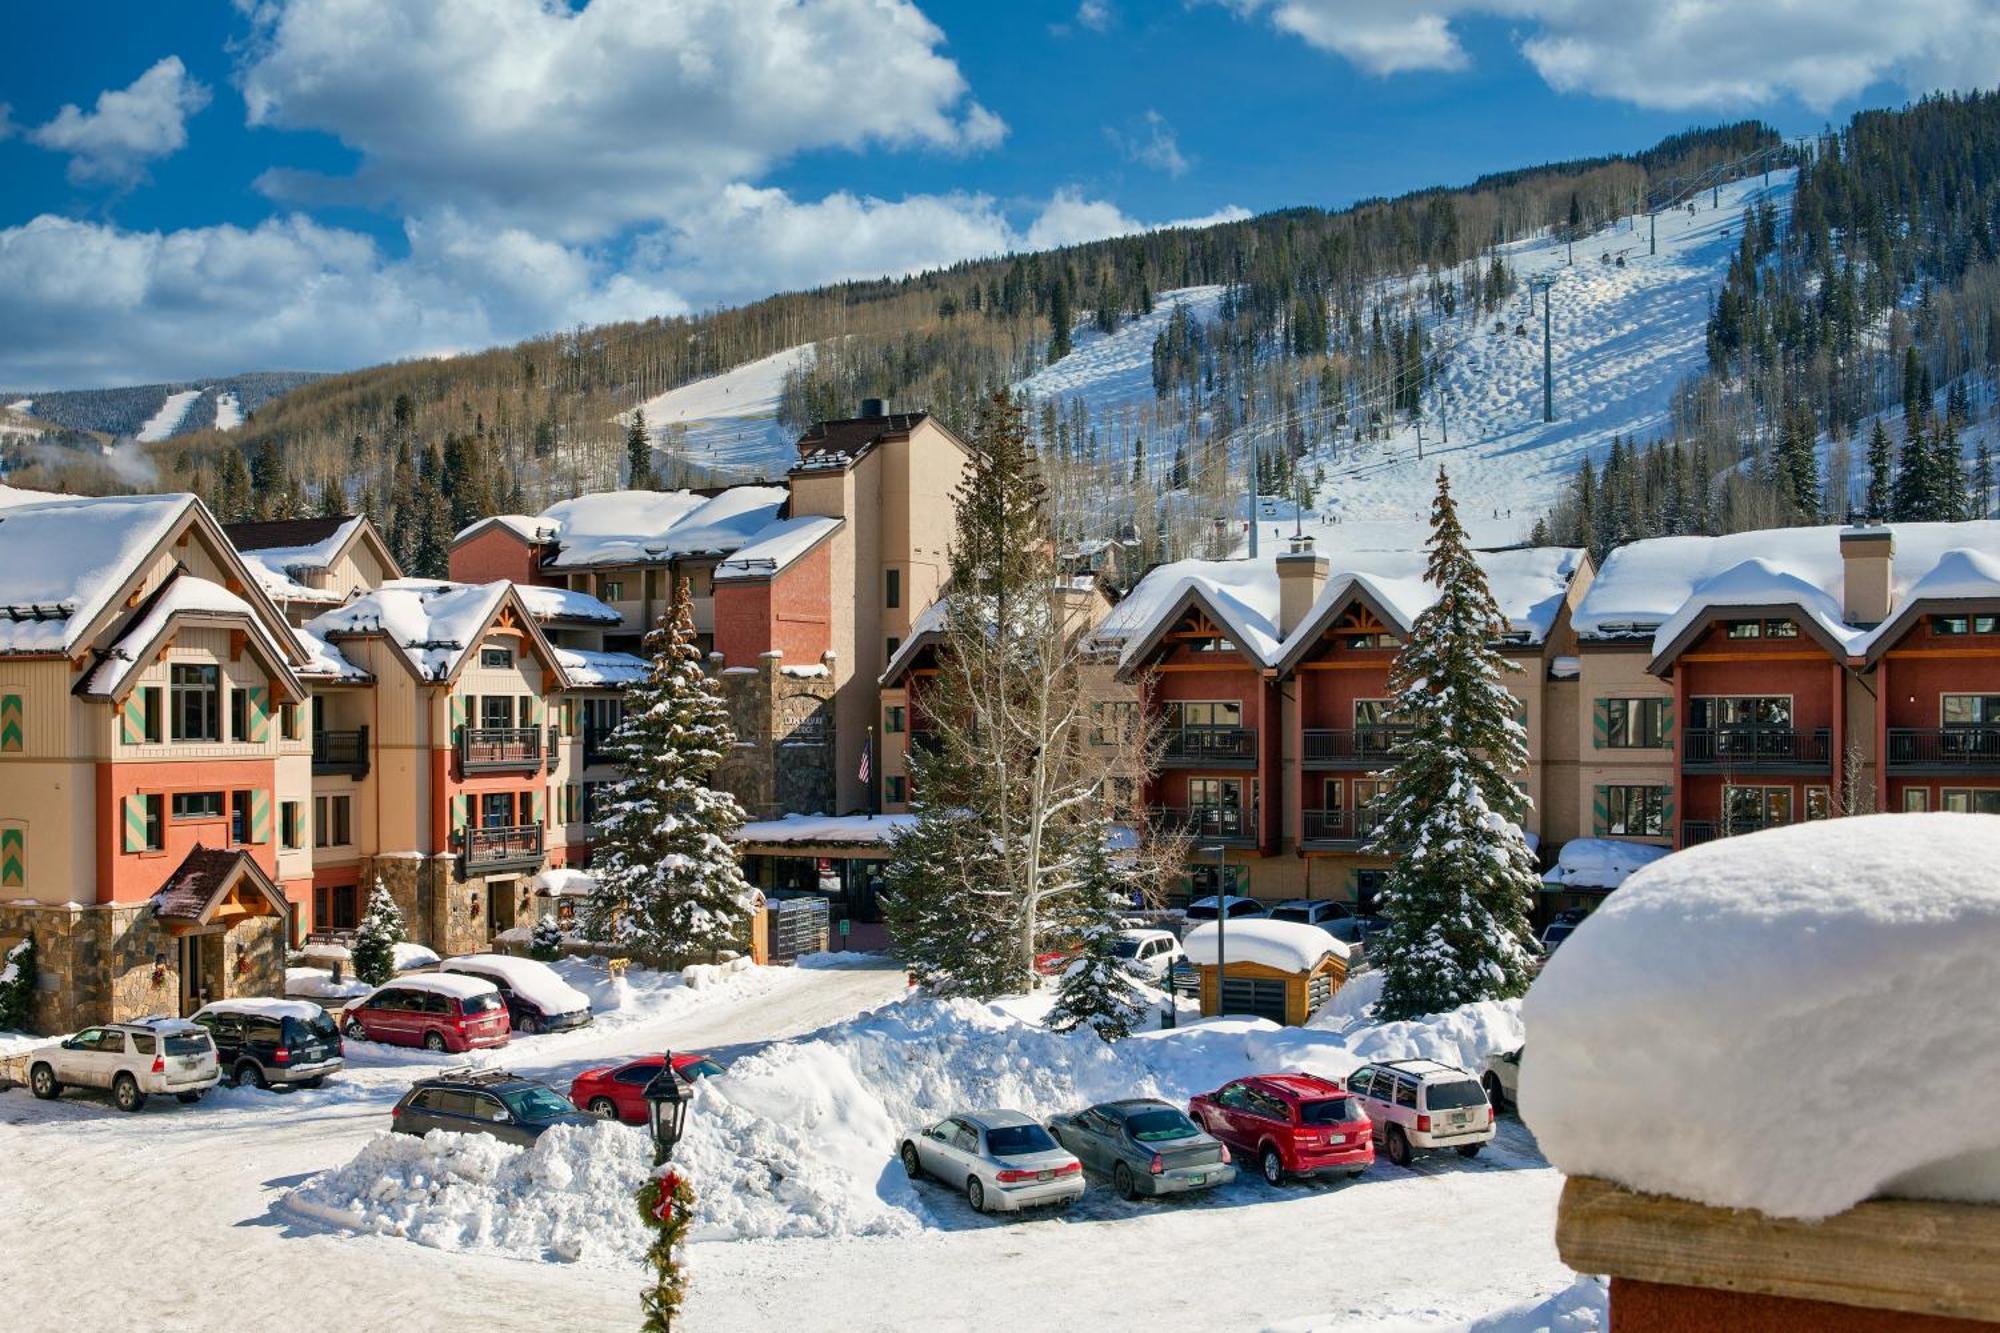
[1582, 1307]
[318, 982]
[1745, 1023]
[569, 1198]
[536, 982]
[1600, 863]
[1289, 946]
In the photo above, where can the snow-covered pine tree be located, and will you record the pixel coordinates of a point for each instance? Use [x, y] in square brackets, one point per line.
[17, 986]
[545, 940]
[1098, 991]
[1458, 894]
[375, 942]
[669, 885]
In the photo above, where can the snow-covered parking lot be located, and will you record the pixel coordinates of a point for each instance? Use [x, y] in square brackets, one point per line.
[214, 1216]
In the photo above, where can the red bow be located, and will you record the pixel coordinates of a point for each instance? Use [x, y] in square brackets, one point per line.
[670, 1185]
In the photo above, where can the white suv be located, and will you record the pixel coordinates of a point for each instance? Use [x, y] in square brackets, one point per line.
[1423, 1104]
[132, 1060]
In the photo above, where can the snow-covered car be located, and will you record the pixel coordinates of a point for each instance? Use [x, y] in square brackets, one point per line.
[1003, 1160]
[1203, 909]
[273, 1043]
[537, 998]
[1502, 1077]
[132, 1060]
[1312, 912]
[1423, 1104]
[484, 1101]
[1149, 953]
[1145, 1146]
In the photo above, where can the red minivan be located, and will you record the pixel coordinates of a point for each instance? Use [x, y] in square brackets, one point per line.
[440, 1011]
[1289, 1124]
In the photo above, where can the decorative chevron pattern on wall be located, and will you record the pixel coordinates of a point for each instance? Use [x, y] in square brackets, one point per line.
[12, 738]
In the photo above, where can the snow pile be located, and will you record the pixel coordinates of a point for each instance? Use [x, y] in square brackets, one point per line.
[1600, 863]
[1739, 1023]
[1584, 1306]
[536, 982]
[1289, 946]
[569, 1198]
[404, 956]
[318, 983]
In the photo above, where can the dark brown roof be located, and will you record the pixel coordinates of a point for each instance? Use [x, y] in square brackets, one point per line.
[828, 441]
[192, 887]
[283, 532]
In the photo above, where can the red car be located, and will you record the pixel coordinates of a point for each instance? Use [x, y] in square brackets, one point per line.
[440, 1011]
[619, 1091]
[1289, 1124]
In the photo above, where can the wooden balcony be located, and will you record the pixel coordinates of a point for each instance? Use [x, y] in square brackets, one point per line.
[337, 752]
[1337, 830]
[1209, 747]
[492, 850]
[1757, 750]
[1354, 747]
[499, 749]
[1228, 824]
[1944, 750]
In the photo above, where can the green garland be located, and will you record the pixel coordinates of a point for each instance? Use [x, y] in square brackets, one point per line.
[667, 1203]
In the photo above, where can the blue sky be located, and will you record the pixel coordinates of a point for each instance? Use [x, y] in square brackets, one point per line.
[328, 183]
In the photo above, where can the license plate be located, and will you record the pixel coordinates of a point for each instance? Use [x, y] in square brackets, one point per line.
[1045, 1175]
[1199, 1178]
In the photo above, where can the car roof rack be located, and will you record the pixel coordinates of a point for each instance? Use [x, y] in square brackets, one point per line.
[481, 1074]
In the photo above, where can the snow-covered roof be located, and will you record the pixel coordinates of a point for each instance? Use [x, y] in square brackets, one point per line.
[65, 559]
[1600, 863]
[303, 1010]
[585, 667]
[930, 622]
[545, 604]
[1760, 582]
[563, 882]
[536, 982]
[1844, 968]
[1960, 574]
[525, 526]
[434, 623]
[830, 829]
[641, 527]
[1289, 946]
[775, 546]
[324, 661]
[183, 595]
[455, 984]
[1529, 584]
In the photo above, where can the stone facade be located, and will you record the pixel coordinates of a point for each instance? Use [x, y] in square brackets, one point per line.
[444, 912]
[784, 725]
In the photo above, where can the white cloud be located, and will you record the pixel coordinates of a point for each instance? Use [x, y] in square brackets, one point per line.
[1153, 143]
[129, 128]
[1674, 54]
[1094, 15]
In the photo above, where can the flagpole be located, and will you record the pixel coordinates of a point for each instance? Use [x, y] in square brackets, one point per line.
[868, 773]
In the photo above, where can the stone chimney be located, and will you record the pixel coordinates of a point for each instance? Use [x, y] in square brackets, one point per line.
[1301, 574]
[1867, 559]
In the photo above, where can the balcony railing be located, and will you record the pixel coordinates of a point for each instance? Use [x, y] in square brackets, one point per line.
[1344, 827]
[488, 850]
[1944, 749]
[499, 749]
[1224, 823]
[1357, 747]
[336, 752]
[1694, 832]
[1735, 749]
[1231, 747]
[597, 747]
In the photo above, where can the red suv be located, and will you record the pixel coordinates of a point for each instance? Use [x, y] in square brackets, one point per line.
[439, 1011]
[1289, 1124]
[619, 1091]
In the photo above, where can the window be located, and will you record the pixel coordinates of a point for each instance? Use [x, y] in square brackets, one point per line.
[239, 714]
[1369, 793]
[154, 809]
[288, 721]
[894, 644]
[496, 657]
[1952, 626]
[496, 711]
[894, 788]
[239, 818]
[894, 719]
[1383, 640]
[1635, 812]
[1634, 724]
[150, 694]
[1916, 800]
[1970, 710]
[291, 832]
[892, 588]
[332, 816]
[1716, 712]
[496, 809]
[1113, 721]
[611, 590]
[1970, 800]
[1780, 629]
[197, 705]
[1819, 803]
[1208, 793]
[1204, 715]
[601, 716]
[197, 805]
[1745, 629]
[570, 794]
[336, 907]
[1745, 809]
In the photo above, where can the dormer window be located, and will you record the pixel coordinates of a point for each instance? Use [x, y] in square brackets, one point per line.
[496, 657]
[1780, 629]
[1217, 644]
[1746, 629]
[1954, 626]
[197, 702]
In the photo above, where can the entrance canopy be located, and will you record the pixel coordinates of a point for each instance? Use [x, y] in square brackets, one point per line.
[214, 887]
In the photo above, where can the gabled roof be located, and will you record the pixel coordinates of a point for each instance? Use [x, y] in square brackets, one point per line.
[926, 631]
[279, 550]
[433, 623]
[1244, 626]
[184, 598]
[203, 882]
[529, 529]
[653, 527]
[1333, 602]
[1961, 580]
[833, 444]
[776, 546]
[264, 534]
[1756, 587]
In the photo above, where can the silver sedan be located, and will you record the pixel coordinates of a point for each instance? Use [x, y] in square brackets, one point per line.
[1146, 1147]
[1003, 1160]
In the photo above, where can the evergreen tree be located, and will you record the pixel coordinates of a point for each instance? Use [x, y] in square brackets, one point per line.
[668, 881]
[1797, 466]
[1060, 319]
[1097, 990]
[1881, 480]
[1982, 481]
[381, 930]
[545, 941]
[638, 454]
[1458, 894]
[17, 986]
[429, 523]
[232, 486]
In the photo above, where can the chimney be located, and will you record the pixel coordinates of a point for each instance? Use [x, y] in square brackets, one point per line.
[1301, 574]
[1867, 558]
[872, 407]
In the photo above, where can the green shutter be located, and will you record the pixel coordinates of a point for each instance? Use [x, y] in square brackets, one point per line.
[13, 858]
[458, 813]
[535, 807]
[260, 816]
[457, 714]
[1667, 723]
[257, 712]
[1600, 724]
[534, 712]
[1600, 810]
[132, 718]
[10, 723]
[135, 823]
[1667, 811]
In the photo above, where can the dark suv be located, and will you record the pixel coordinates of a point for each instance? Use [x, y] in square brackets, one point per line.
[273, 1043]
[484, 1101]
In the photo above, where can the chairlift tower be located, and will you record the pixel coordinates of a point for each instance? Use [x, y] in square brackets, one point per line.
[1542, 284]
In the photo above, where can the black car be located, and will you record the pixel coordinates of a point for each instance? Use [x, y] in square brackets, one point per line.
[273, 1043]
[484, 1101]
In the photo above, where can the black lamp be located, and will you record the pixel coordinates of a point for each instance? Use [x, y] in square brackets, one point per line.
[667, 1098]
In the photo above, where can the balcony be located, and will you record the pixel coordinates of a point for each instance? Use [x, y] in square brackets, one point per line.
[499, 749]
[1343, 829]
[1358, 747]
[491, 850]
[337, 752]
[1757, 749]
[1211, 823]
[1694, 832]
[1210, 747]
[1946, 750]
[597, 747]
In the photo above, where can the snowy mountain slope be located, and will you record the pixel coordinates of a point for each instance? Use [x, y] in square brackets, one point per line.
[168, 419]
[731, 419]
[1110, 371]
[153, 412]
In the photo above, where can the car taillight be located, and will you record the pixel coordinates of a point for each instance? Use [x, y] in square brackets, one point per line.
[159, 1064]
[1157, 1165]
[1073, 1169]
[395, 1111]
[1010, 1176]
[1489, 1113]
[281, 1056]
[1225, 1152]
[1423, 1124]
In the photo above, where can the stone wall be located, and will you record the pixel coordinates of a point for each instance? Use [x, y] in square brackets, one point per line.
[784, 754]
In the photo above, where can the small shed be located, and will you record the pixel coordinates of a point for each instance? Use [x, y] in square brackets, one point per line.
[1280, 970]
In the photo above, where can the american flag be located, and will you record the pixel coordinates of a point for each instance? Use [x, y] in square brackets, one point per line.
[867, 756]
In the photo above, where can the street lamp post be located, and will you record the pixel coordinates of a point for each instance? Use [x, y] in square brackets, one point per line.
[667, 1098]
